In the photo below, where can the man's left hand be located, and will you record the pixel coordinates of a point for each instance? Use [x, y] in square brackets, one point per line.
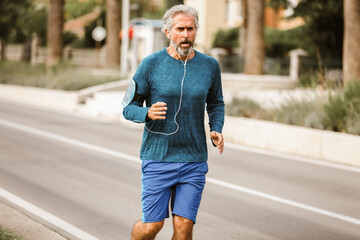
[218, 140]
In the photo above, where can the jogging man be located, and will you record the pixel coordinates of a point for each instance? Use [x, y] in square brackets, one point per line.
[177, 83]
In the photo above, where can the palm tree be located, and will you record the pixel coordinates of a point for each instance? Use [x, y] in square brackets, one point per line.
[113, 25]
[55, 32]
[351, 54]
[254, 39]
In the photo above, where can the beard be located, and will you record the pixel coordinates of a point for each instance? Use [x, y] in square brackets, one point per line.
[182, 51]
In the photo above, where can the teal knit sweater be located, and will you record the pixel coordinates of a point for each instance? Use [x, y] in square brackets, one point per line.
[158, 77]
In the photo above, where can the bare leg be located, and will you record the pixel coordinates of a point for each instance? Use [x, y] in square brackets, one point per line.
[182, 228]
[146, 231]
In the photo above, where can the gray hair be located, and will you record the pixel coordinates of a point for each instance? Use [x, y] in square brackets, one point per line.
[168, 16]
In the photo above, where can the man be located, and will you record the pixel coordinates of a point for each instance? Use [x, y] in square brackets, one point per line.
[177, 83]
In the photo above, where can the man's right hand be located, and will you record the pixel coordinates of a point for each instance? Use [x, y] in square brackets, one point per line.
[157, 111]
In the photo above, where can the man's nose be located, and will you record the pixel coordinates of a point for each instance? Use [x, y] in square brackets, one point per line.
[185, 33]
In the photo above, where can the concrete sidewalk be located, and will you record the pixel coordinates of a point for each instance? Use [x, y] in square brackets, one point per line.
[23, 226]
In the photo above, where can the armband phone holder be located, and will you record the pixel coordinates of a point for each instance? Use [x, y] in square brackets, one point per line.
[130, 93]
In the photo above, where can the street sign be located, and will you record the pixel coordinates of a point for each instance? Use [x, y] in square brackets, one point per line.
[99, 33]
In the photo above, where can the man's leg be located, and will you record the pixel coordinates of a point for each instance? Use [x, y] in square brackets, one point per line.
[182, 228]
[146, 231]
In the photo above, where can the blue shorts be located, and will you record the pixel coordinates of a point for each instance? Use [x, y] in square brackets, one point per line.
[182, 182]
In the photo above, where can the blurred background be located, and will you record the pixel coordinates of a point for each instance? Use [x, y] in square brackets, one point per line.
[304, 42]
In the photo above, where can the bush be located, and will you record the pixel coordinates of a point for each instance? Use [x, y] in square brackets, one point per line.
[335, 114]
[279, 43]
[227, 38]
[308, 80]
[339, 112]
[343, 110]
[304, 113]
[245, 108]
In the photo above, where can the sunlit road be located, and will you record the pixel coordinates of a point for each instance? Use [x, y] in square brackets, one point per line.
[73, 168]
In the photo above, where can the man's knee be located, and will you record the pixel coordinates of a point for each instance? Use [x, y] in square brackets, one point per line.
[146, 230]
[153, 227]
[183, 225]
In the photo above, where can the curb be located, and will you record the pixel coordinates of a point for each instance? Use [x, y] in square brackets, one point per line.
[24, 226]
[319, 144]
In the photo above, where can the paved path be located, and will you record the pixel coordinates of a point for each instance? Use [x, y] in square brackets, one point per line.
[86, 174]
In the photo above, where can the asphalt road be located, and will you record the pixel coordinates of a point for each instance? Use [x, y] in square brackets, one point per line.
[87, 173]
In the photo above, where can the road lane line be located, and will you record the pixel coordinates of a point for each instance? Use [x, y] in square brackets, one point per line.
[209, 179]
[288, 156]
[68, 140]
[46, 216]
[283, 201]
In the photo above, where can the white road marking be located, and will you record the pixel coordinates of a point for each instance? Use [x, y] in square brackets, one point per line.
[46, 216]
[294, 157]
[283, 201]
[68, 140]
[210, 180]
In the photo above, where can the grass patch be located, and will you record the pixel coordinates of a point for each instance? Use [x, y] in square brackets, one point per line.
[62, 77]
[7, 235]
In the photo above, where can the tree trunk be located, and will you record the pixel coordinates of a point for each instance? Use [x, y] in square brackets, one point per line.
[3, 49]
[255, 47]
[243, 29]
[55, 32]
[351, 55]
[113, 28]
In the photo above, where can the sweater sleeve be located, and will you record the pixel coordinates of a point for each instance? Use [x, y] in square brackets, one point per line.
[135, 111]
[215, 105]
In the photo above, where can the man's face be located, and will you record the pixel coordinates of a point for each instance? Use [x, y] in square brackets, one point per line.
[183, 33]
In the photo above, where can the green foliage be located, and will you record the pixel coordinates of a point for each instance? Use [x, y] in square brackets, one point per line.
[335, 114]
[339, 112]
[308, 80]
[352, 98]
[33, 20]
[244, 107]
[276, 4]
[69, 38]
[88, 41]
[352, 91]
[149, 9]
[76, 8]
[227, 38]
[63, 77]
[7, 235]
[342, 110]
[324, 28]
[11, 13]
[278, 43]
[301, 113]
[38, 24]
[170, 3]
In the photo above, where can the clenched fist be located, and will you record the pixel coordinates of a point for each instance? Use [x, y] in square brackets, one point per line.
[157, 111]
